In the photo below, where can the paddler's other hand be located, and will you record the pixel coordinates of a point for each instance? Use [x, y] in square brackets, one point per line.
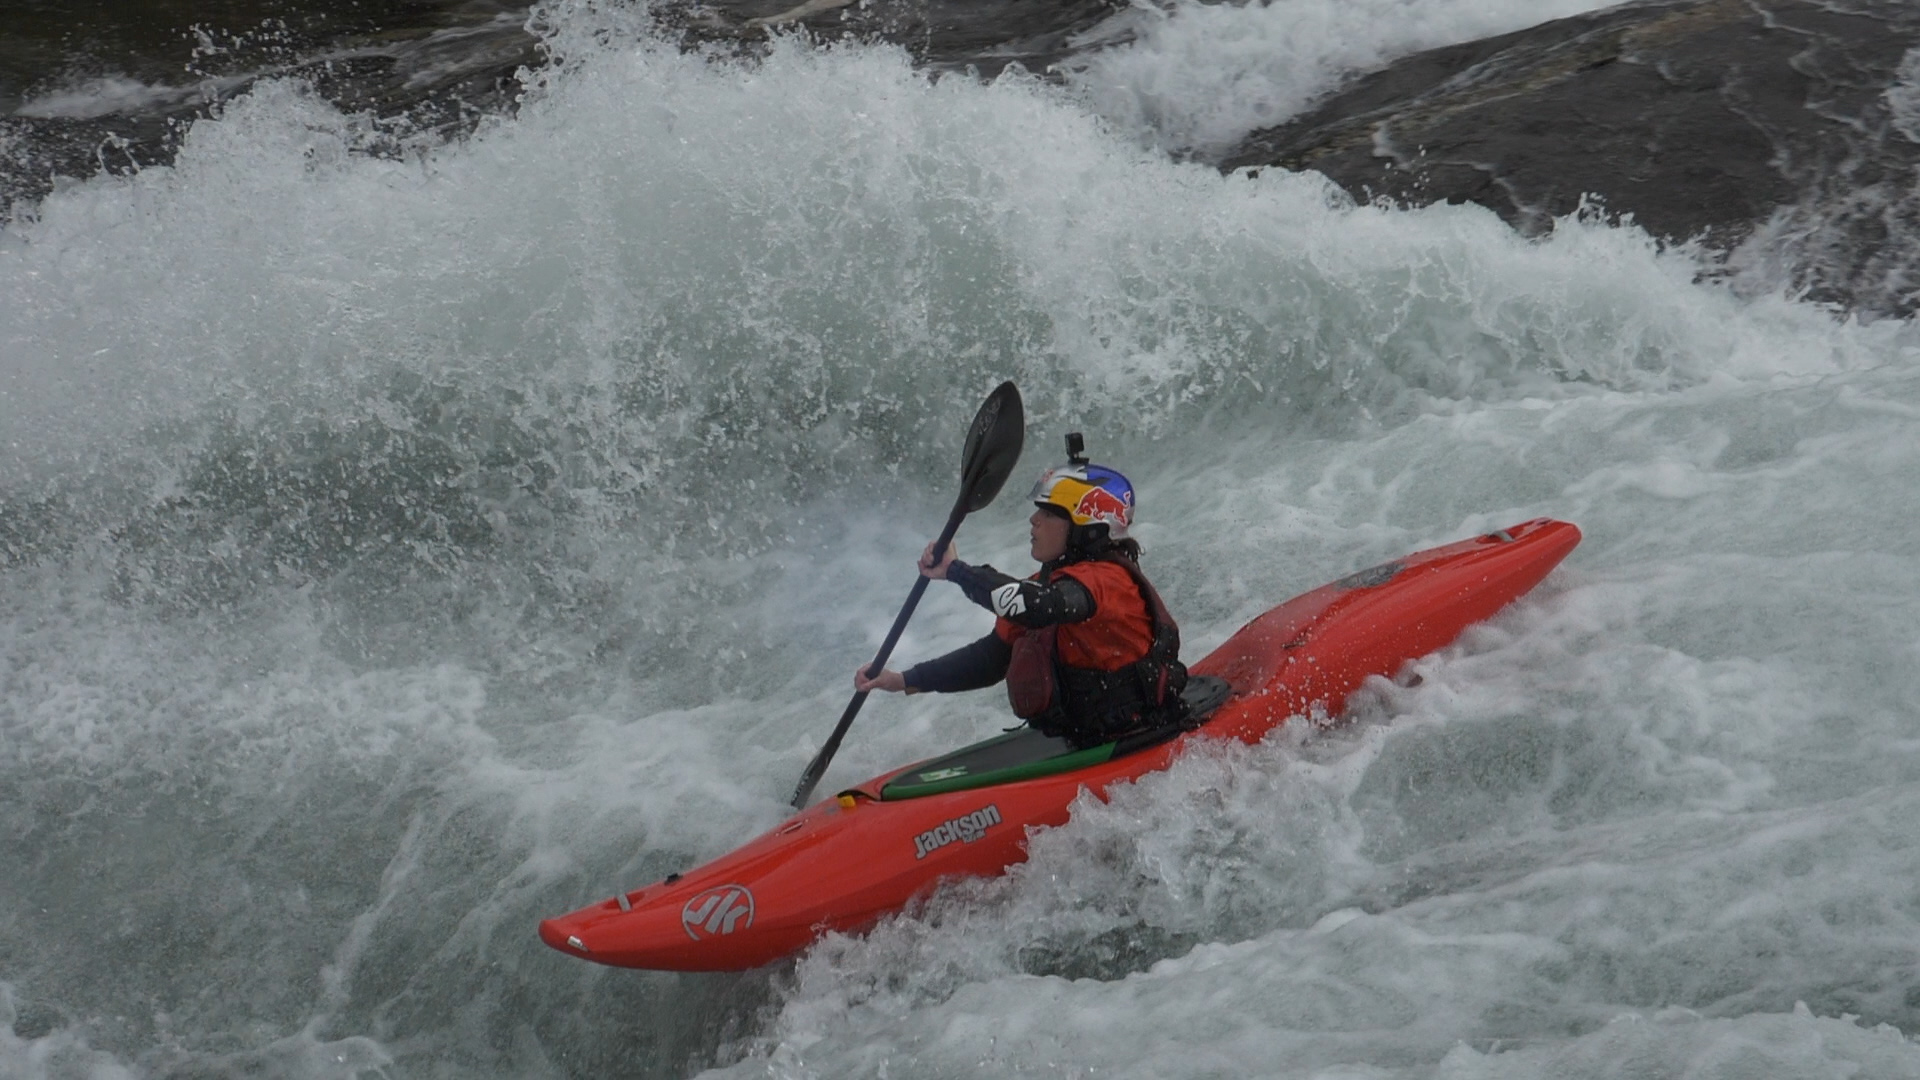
[890, 680]
[936, 570]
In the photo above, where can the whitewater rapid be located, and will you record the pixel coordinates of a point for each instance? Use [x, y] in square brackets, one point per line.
[400, 547]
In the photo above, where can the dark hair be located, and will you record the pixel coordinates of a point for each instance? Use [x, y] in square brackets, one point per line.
[1093, 541]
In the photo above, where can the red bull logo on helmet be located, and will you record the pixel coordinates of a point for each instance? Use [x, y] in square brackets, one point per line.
[1099, 504]
[1090, 494]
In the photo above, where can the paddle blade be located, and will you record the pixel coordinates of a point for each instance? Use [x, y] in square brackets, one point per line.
[993, 447]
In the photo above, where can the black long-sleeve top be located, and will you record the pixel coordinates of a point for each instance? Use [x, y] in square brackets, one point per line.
[1022, 601]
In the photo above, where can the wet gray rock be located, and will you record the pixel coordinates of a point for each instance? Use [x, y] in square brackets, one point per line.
[431, 66]
[118, 99]
[984, 36]
[1783, 135]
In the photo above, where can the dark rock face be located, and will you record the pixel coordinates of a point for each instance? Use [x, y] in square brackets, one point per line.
[1784, 133]
[945, 35]
[422, 64]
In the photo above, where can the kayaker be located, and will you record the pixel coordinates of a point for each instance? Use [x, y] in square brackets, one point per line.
[1086, 646]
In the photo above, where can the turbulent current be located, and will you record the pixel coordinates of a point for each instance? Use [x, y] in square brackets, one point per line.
[397, 547]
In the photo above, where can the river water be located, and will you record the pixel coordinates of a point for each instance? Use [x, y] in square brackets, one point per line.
[400, 548]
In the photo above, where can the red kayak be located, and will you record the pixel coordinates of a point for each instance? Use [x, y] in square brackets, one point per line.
[845, 862]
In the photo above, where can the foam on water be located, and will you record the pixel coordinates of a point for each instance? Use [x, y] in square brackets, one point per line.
[1200, 76]
[402, 548]
[103, 95]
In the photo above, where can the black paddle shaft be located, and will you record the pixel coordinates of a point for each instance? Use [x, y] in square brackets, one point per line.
[992, 449]
[818, 766]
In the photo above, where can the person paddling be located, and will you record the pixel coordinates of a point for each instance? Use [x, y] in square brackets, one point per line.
[1086, 646]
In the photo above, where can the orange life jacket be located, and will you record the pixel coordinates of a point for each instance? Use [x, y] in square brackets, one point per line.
[1107, 674]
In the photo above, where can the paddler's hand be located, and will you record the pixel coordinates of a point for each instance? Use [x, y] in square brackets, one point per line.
[890, 680]
[936, 570]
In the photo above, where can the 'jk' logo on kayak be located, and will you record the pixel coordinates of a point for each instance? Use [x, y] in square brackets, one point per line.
[966, 829]
[720, 910]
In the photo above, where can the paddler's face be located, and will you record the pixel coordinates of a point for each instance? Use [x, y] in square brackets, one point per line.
[1049, 534]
